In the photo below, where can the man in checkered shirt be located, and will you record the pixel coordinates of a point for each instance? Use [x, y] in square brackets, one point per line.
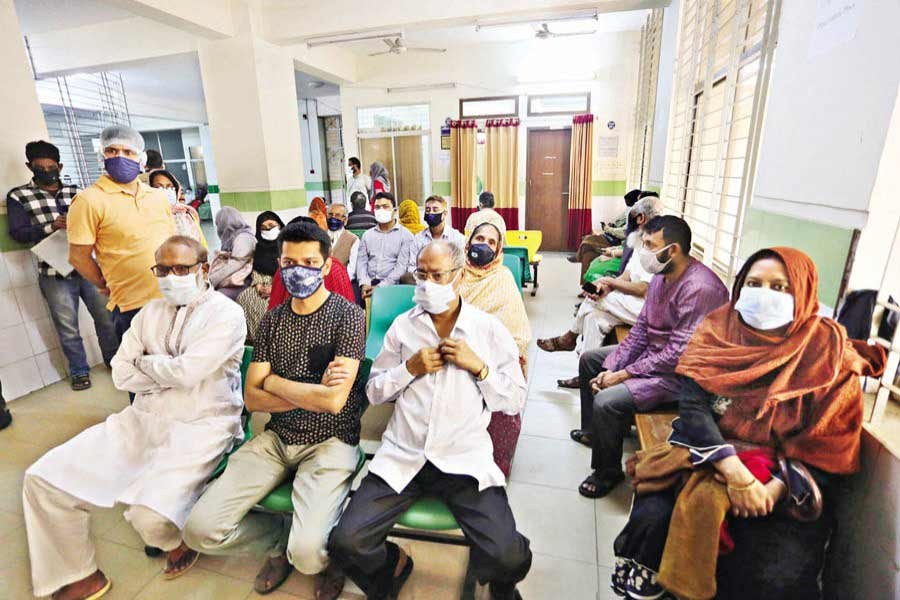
[35, 210]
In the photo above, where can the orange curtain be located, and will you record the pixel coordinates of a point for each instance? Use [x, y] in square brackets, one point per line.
[582, 157]
[462, 171]
[502, 168]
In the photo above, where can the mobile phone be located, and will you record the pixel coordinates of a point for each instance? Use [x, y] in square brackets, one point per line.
[590, 288]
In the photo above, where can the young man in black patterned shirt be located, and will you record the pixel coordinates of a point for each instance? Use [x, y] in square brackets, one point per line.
[304, 372]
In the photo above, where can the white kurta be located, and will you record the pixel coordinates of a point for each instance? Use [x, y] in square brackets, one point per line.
[183, 364]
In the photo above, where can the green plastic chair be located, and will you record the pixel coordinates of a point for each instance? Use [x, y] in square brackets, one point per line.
[514, 264]
[522, 253]
[248, 431]
[357, 232]
[387, 303]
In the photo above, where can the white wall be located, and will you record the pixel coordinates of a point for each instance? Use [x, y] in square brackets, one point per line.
[828, 115]
[667, 54]
[604, 64]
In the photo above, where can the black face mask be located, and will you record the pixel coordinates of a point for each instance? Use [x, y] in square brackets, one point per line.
[45, 177]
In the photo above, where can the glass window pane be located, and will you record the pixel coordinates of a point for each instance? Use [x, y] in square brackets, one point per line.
[180, 171]
[496, 107]
[170, 142]
[564, 103]
[151, 141]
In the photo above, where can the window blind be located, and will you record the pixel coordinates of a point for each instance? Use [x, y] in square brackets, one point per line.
[645, 104]
[725, 50]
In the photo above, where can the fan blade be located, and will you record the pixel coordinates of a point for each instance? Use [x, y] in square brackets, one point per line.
[435, 50]
[381, 53]
[388, 41]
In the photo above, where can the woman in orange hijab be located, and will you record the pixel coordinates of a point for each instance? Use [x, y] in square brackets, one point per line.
[764, 371]
[318, 211]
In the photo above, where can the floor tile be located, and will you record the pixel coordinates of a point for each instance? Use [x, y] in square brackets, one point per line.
[545, 461]
[196, 584]
[129, 569]
[608, 528]
[558, 522]
[439, 570]
[554, 578]
[550, 419]
[604, 591]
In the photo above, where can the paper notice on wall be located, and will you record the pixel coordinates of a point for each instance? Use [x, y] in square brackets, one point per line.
[608, 146]
[836, 24]
[54, 250]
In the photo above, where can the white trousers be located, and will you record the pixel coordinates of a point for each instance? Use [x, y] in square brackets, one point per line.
[595, 319]
[58, 527]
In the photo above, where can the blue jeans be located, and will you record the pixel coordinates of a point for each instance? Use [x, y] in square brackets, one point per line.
[122, 320]
[62, 297]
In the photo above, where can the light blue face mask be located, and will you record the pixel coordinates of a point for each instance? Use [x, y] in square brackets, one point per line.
[301, 281]
[764, 308]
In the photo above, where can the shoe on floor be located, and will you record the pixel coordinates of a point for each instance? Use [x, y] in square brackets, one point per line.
[81, 382]
[5, 418]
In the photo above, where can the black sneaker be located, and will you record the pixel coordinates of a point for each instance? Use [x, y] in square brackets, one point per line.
[5, 418]
[81, 382]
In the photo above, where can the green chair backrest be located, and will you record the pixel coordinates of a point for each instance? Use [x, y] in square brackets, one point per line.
[357, 232]
[514, 264]
[387, 302]
[521, 252]
[245, 364]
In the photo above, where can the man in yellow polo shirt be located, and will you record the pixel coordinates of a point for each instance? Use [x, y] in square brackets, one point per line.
[122, 222]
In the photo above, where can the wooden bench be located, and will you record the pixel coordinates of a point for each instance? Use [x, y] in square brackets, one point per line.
[653, 428]
[621, 332]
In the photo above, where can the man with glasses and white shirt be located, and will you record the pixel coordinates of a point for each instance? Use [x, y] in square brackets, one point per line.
[447, 365]
[181, 357]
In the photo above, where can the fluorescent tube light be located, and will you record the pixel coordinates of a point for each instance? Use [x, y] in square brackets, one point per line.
[421, 88]
[353, 37]
[580, 16]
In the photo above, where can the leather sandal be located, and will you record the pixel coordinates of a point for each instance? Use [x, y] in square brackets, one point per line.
[554, 344]
[273, 573]
[178, 567]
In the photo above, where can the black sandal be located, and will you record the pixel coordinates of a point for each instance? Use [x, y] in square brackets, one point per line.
[81, 382]
[602, 485]
[582, 436]
[399, 580]
[273, 573]
[572, 383]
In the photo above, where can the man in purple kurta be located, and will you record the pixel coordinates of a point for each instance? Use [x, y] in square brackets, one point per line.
[639, 374]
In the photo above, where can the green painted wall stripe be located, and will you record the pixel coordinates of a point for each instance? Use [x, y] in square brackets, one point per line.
[314, 186]
[827, 245]
[259, 201]
[608, 188]
[335, 185]
[8, 244]
[441, 188]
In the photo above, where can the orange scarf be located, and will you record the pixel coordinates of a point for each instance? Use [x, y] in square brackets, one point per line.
[319, 212]
[799, 392]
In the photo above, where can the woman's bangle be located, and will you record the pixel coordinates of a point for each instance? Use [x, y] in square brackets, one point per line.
[743, 488]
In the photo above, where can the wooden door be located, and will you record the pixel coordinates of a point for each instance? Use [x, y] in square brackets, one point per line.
[547, 189]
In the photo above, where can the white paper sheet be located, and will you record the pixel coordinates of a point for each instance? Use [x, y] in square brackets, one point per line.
[54, 250]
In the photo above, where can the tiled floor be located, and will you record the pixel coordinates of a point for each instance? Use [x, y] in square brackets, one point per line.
[571, 536]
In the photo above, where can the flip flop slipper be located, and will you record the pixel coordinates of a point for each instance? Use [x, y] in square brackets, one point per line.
[602, 486]
[167, 574]
[280, 577]
[571, 383]
[101, 592]
[81, 382]
[579, 436]
[399, 580]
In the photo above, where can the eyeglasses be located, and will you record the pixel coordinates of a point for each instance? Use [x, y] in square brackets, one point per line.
[441, 277]
[163, 271]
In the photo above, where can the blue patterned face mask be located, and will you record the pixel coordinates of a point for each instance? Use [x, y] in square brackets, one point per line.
[301, 281]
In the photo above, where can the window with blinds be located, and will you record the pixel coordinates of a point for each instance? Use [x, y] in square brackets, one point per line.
[76, 109]
[398, 137]
[724, 55]
[645, 104]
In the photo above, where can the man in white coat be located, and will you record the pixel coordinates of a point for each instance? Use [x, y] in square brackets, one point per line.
[181, 357]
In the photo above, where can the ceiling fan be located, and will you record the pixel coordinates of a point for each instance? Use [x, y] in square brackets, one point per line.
[544, 33]
[396, 46]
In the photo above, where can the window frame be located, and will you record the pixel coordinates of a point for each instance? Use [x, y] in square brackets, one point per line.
[559, 113]
[514, 98]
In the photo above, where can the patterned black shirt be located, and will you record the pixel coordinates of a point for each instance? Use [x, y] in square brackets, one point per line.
[299, 348]
[31, 212]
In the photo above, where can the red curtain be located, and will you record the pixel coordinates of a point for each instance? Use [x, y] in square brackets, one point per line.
[580, 164]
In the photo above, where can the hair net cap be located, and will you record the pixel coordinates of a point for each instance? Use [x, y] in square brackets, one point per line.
[122, 135]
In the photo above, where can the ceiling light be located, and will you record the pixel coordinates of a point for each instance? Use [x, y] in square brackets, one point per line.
[576, 16]
[353, 37]
[421, 88]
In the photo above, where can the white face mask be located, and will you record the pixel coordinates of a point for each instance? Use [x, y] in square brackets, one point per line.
[650, 261]
[270, 235]
[171, 196]
[384, 215]
[764, 308]
[434, 298]
[181, 290]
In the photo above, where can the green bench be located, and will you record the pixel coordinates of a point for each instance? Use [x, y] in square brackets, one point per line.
[514, 264]
[387, 302]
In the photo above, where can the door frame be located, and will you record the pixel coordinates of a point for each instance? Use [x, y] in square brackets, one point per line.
[528, 131]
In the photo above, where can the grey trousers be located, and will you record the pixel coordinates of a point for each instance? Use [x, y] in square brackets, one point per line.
[222, 522]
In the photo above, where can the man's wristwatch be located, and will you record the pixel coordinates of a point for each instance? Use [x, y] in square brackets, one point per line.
[483, 373]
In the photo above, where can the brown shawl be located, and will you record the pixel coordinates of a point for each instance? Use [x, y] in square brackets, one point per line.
[799, 392]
